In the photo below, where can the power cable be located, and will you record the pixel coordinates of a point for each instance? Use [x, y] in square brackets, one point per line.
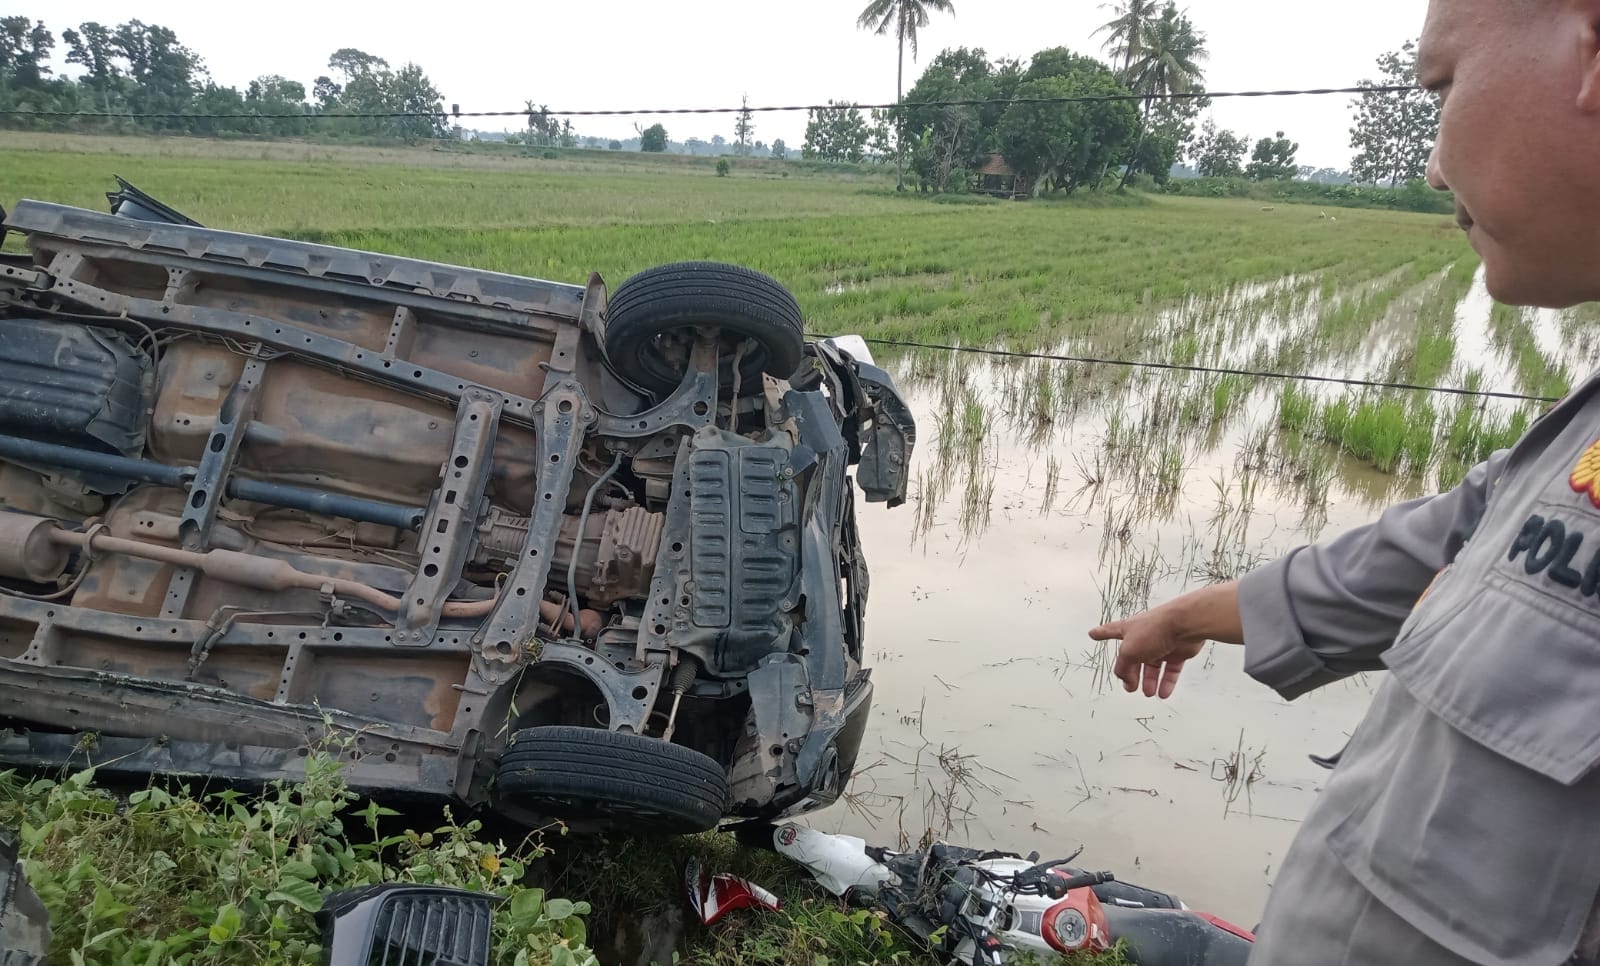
[1212, 370]
[616, 112]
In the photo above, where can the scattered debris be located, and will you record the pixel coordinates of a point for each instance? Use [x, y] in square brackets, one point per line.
[713, 896]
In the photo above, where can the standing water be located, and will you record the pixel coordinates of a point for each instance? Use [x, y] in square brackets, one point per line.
[1049, 497]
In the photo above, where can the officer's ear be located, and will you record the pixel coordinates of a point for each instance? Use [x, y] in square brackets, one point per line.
[1586, 20]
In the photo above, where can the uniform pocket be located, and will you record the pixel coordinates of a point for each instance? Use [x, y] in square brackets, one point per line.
[1494, 861]
[1510, 662]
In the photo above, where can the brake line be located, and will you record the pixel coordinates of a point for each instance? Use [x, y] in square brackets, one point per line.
[577, 543]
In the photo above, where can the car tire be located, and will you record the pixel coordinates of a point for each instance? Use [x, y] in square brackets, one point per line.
[585, 773]
[743, 303]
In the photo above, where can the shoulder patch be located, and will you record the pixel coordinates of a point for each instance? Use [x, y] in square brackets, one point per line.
[1585, 476]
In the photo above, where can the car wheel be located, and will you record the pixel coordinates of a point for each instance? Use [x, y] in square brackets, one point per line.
[651, 317]
[585, 773]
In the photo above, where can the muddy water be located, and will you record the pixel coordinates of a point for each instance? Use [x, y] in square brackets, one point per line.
[995, 723]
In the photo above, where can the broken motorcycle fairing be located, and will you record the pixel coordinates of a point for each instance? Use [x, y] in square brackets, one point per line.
[714, 895]
[982, 907]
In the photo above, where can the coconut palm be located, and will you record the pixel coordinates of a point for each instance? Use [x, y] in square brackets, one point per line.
[1168, 63]
[1170, 58]
[1126, 31]
[905, 17]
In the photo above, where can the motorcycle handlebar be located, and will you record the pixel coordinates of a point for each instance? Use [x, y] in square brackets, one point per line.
[1059, 886]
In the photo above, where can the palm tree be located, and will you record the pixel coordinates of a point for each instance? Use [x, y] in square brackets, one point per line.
[1126, 31]
[906, 17]
[1170, 60]
[1169, 63]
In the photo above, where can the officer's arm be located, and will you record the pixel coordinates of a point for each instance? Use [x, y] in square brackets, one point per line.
[1327, 611]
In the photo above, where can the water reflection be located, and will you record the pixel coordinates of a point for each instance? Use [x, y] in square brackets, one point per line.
[1048, 497]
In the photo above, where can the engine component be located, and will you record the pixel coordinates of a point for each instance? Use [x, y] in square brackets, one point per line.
[73, 384]
[500, 538]
[732, 551]
[616, 558]
[27, 551]
[626, 559]
[682, 680]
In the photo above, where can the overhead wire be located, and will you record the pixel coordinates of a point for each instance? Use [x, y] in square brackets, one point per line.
[758, 109]
[1209, 370]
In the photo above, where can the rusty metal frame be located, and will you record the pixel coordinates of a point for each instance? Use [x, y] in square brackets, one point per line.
[210, 481]
[629, 709]
[281, 336]
[564, 415]
[447, 534]
[491, 299]
[396, 767]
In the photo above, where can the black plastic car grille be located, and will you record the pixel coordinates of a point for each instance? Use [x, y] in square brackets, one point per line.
[431, 931]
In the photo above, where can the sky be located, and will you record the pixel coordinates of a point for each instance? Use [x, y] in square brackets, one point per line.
[600, 54]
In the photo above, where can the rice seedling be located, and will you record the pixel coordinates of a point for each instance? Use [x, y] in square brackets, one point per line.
[1227, 394]
[1374, 431]
[1228, 554]
[977, 500]
[1296, 408]
[1052, 480]
[1435, 350]
[1092, 478]
[928, 494]
[1536, 372]
[1169, 467]
[1238, 773]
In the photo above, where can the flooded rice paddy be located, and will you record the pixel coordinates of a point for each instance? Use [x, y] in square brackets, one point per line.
[1050, 496]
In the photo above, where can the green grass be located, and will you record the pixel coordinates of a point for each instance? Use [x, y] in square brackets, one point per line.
[321, 189]
[162, 875]
[908, 268]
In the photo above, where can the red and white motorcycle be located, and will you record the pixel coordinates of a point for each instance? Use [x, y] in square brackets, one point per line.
[994, 904]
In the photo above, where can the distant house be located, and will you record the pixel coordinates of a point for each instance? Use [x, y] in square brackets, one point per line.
[996, 178]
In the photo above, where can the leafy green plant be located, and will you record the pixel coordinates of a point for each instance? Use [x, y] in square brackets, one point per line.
[163, 875]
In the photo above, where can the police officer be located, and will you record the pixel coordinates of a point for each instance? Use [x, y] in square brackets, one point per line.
[1462, 823]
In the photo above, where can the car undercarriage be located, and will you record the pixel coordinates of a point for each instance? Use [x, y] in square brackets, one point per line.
[545, 549]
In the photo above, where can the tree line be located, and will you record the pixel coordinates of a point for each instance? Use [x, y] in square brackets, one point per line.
[141, 68]
[1151, 50]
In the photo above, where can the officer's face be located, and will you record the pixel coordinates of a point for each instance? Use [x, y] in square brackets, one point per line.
[1519, 139]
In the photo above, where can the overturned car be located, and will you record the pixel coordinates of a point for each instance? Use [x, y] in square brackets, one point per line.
[544, 549]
